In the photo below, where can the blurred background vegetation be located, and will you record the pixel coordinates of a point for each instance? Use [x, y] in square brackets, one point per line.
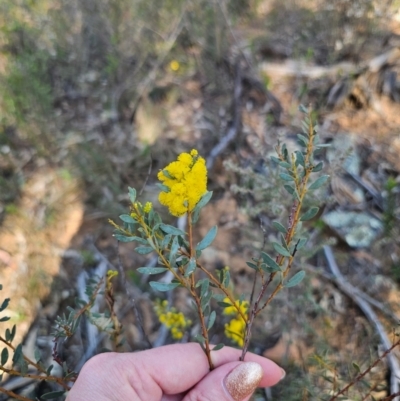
[98, 95]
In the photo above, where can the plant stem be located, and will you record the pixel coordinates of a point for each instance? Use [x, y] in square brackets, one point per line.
[197, 298]
[11, 394]
[361, 375]
[58, 380]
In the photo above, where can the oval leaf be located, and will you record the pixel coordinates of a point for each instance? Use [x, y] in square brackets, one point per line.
[208, 239]
[123, 238]
[268, 269]
[279, 227]
[270, 261]
[151, 270]
[162, 287]
[252, 265]
[132, 194]
[52, 395]
[281, 250]
[310, 213]
[4, 356]
[202, 202]
[190, 267]
[211, 320]
[296, 279]
[319, 182]
[318, 167]
[143, 250]
[218, 347]
[286, 177]
[127, 219]
[171, 229]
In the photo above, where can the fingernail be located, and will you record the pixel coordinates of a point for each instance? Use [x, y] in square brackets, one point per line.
[243, 380]
[283, 374]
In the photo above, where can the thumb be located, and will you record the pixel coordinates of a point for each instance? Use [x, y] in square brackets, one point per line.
[234, 381]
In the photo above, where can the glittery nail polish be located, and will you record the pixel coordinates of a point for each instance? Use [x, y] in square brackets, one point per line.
[243, 380]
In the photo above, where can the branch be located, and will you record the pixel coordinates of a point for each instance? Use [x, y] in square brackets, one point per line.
[350, 291]
[11, 394]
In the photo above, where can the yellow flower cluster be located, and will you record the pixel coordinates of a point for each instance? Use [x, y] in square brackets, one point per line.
[172, 319]
[186, 180]
[138, 206]
[235, 328]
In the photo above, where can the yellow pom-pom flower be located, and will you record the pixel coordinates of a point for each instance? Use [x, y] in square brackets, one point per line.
[235, 328]
[172, 319]
[186, 180]
[174, 65]
[147, 207]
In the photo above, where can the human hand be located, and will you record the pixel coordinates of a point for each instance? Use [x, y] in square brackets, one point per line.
[177, 372]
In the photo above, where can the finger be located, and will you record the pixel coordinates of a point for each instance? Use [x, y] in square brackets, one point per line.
[180, 366]
[234, 381]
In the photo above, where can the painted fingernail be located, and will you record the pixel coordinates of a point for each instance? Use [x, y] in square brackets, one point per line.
[243, 380]
[283, 374]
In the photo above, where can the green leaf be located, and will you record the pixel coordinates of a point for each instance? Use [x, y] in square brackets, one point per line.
[318, 167]
[224, 304]
[303, 109]
[152, 270]
[205, 300]
[37, 354]
[319, 182]
[270, 261]
[167, 174]
[279, 227]
[200, 339]
[227, 278]
[219, 297]
[166, 241]
[174, 251]
[218, 347]
[204, 287]
[191, 267]
[162, 287]
[208, 239]
[301, 243]
[285, 165]
[4, 304]
[268, 269]
[18, 359]
[127, 219]
[292, 191]
[4, 319]
[300, 159]
[356, 367]
[163, 187]
[252, 265]
[143, 250]
[302, 140]
[202, 202]
[312, 212]
[52, 395]
[286, 177]
[211, 320]
[132, 194]
[171, 229]
[281, 250]
[4, 356]
[296, 279]
[13, 331]
[123, 238]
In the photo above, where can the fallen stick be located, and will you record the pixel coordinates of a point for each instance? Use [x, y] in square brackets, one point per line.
[351, 292]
